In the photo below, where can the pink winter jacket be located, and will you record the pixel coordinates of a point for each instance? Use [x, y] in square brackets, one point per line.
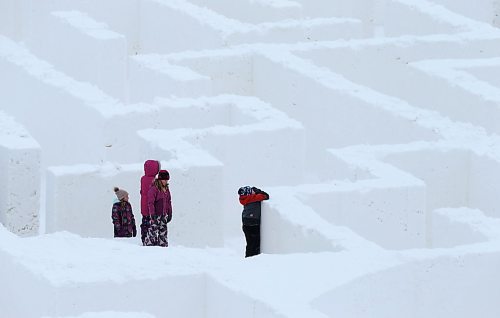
[159, 202]
[151, 168]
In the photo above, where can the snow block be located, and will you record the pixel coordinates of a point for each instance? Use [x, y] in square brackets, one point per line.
[152, 77]
[198, 215]
[71, 105]
[250, 11]
[20, 168]
[450, 286]
[280, 235]
[394, 218]
[454, 227]
[102, 53]
[11, 21]
[20, 284]
[299, 31]
[183, 25]
[223, 301]
[131, 297]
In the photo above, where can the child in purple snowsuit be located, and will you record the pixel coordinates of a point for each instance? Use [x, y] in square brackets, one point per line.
[151, 169]
[122, 216]
[160, 211]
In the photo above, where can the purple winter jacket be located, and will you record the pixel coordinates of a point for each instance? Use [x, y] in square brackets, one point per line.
[151, 168]
[159, 202]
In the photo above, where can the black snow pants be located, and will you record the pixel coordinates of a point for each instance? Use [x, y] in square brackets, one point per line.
[252, 235]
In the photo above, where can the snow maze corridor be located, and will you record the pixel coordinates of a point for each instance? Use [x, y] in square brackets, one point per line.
[373, 125]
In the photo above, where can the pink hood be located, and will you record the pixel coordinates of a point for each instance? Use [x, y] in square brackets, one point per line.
[151, 168]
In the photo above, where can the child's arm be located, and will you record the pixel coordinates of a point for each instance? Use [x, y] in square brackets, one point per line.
[262, 195]
[116, 219]
[169, 206]
[114, 215]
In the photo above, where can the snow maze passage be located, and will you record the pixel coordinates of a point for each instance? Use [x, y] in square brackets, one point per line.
[373, 125]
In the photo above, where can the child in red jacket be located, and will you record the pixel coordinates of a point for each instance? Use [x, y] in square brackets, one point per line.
[251, 198]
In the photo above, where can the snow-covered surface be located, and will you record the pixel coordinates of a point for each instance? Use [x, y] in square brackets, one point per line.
[372, 124]
[111, 314]
[13, 135]
[86, 24]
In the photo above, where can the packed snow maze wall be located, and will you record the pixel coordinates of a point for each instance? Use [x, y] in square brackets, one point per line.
[372, 124]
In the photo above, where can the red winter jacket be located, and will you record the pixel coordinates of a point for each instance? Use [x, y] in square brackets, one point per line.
[151, 168]
[256, 197]
[252, 207]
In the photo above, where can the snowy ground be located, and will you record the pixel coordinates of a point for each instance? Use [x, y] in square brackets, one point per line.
[372, 124]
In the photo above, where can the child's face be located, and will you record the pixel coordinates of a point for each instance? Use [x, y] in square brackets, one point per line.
[125, 198]
[164, 182]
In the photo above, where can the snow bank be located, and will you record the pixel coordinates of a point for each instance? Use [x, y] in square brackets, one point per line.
[449, 286]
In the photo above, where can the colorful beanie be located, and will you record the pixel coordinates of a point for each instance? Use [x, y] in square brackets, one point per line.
[246, 190]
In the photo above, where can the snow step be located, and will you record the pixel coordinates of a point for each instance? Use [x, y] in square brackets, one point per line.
[153, 76]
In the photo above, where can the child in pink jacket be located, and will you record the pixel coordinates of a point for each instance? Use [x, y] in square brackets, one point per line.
[151, 169]
[160, 211]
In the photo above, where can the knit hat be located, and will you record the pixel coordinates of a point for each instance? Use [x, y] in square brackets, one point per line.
[120, 193]
[163, 175]
[246, 190]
